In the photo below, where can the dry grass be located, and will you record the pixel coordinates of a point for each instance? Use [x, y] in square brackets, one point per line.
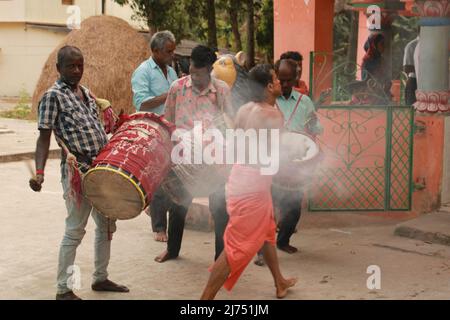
[112, 50]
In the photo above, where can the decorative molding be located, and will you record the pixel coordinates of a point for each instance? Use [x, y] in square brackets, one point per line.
[432, 101]
[433, 8]
[434, 21]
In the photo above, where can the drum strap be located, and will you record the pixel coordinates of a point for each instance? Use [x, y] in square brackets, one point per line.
[288, 122]
[109, 230]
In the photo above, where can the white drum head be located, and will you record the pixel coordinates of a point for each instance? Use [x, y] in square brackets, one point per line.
[296, 147]
[112, 194]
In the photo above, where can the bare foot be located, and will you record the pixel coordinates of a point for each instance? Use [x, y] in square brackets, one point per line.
[163, 257]
[283, 287]
[289, 249]
[160, 236]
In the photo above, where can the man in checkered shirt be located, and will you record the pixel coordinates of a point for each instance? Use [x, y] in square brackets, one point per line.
[69, 110]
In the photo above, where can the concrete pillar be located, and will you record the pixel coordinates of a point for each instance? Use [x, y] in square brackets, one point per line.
[430, 165]
[433, 92]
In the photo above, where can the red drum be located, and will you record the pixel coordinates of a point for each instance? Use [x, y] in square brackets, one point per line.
[300, 156]
[130, 167]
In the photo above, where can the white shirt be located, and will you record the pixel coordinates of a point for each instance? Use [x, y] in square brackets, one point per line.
[416, 60]
[409, 56]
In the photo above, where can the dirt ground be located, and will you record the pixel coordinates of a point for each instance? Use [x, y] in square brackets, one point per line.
[331, 264]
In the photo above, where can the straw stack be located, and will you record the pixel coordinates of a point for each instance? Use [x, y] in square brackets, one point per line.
[112, 50]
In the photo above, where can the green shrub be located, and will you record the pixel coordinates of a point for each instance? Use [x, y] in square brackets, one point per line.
[22, 109]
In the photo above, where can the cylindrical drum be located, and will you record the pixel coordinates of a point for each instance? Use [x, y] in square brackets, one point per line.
[130, 167]
[189, 180]
[299, 157]
[185, 182]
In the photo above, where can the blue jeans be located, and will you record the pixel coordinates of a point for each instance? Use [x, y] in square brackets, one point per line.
[75, 229]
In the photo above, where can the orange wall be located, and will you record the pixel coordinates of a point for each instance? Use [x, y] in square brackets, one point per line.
[304, 28]
[363, 34]
[428, 161]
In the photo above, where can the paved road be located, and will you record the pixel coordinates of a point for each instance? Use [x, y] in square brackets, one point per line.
[19, 136]
[335, 252]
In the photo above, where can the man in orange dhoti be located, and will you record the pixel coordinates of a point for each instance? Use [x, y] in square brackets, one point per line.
[249, 202]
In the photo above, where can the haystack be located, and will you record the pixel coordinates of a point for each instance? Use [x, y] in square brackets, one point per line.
[112, 50]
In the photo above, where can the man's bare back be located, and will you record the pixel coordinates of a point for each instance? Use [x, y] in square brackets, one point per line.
[258, 115]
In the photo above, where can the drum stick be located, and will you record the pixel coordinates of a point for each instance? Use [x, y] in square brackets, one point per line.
[33, 180]
[70, 156]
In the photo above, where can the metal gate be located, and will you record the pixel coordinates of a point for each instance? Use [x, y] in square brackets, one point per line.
[368, 149]
[368, 159]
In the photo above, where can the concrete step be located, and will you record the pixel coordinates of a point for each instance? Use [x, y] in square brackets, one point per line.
[199, 217]
[52, 154]
[18, 140]
[5, 131]
[430, 228]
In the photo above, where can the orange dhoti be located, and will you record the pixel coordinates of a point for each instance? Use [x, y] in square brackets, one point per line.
[251, 222]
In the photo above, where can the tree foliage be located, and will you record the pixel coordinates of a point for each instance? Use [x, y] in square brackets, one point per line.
[264, 33]
[230, 25]
[226, 26]
[183, 18]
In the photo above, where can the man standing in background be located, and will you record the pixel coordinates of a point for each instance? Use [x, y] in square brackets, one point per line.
[409, 67]
[150, 83]
[299, 115]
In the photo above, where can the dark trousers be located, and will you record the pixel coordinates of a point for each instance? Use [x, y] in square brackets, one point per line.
[410, 91]
[218, 209]
[158, 211]
[161, 203]
[289, 203]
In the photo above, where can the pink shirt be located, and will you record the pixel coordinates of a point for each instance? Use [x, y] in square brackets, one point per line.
[189, 105]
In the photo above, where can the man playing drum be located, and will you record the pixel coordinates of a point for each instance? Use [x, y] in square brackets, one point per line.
[249, 202]
[150, 83]
[197, 97]
[68, 109]
[299, 115]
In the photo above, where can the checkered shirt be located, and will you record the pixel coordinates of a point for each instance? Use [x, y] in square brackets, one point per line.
[73, 121]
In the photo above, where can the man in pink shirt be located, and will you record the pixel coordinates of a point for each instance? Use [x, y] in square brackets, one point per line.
[196, 97]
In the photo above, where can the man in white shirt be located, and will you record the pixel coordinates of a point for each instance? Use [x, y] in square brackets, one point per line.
[410, 66]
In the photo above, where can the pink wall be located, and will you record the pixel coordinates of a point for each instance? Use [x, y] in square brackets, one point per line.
[428, 162]
[363, 34]
[303, 27]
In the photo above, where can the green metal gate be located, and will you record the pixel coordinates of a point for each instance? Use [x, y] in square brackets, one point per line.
[368, 159]
[368, 149]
